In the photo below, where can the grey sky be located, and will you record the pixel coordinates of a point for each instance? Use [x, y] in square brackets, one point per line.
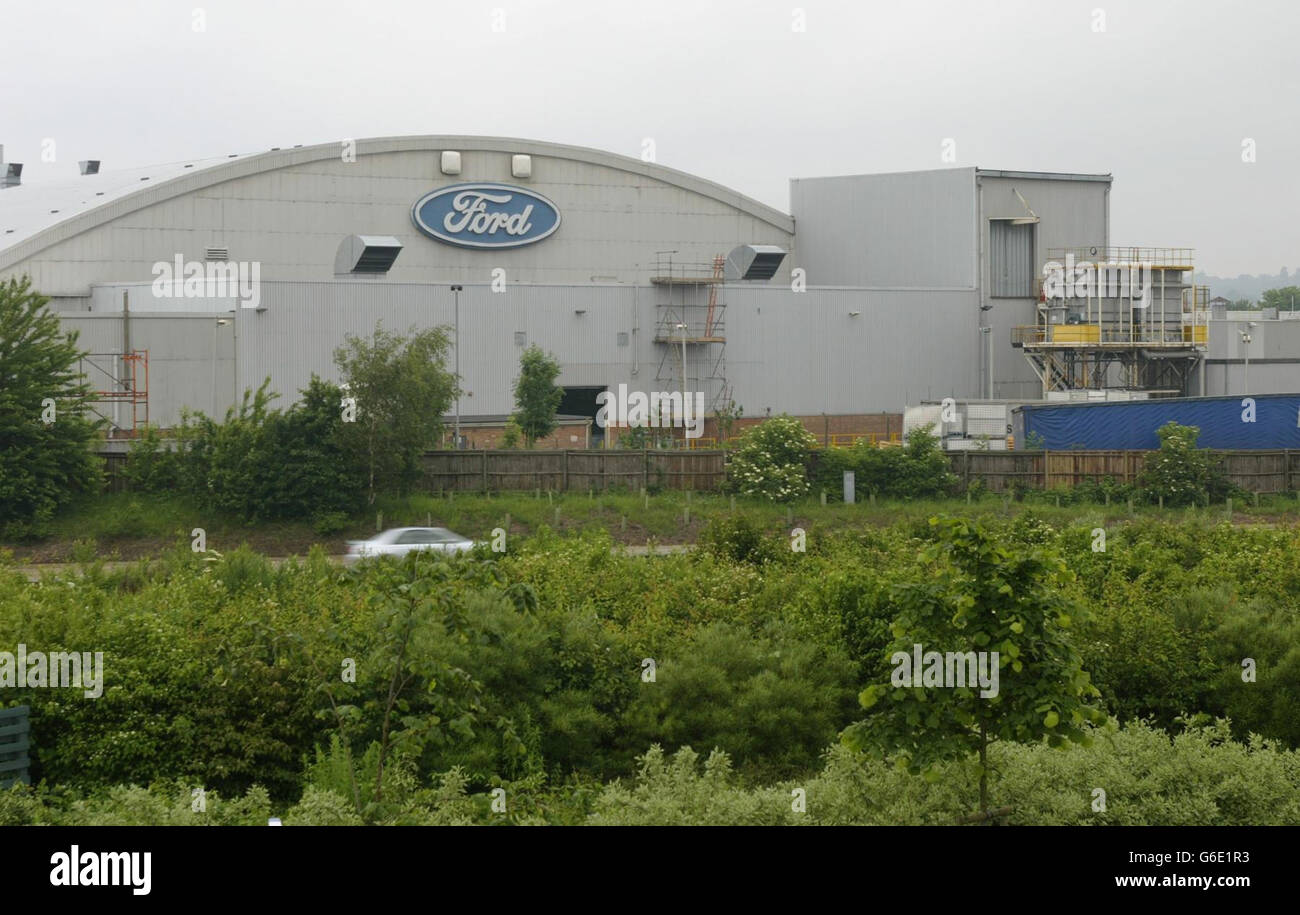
[1162, 98]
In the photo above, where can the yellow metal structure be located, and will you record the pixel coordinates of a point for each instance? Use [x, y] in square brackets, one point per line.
[1076, 333]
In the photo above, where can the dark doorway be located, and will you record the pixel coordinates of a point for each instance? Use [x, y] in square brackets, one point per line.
[582, 402]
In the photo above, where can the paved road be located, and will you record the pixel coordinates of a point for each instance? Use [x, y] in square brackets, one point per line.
[36, 570]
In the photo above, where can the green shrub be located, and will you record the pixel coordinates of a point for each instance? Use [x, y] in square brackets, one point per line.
[770, 702]
[1197, 778]
[739, 540]
[1180, 473]
[917, 470]
[258, 463]
[771, 460]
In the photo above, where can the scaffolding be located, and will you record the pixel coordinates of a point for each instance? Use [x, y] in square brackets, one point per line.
[690, 327]
[123, 379]
[1137, 323]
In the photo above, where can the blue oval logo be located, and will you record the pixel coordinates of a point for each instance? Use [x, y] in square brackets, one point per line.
[485, 216]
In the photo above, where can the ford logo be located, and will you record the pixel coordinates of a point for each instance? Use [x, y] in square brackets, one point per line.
[485, 216]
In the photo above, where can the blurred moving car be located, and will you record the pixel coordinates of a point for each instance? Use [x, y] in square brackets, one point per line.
[399, 541]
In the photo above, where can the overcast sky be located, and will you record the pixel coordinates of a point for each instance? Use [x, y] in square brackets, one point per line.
[1161, 94]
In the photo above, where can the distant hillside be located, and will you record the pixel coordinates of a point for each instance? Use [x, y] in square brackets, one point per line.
[1246, 286]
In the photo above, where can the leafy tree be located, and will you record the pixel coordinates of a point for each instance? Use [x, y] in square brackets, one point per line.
[402, 392]
[537, 396]
[45, 433]
[1282, 299]
[317, 475]
[726, 421]
[975, 594]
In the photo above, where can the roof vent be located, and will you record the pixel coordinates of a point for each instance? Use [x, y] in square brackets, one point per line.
[89, 166]
[217, 253]
[11, 173]
[754, 262]
[373, 254]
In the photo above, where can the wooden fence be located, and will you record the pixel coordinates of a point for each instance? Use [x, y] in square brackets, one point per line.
[578, 471]
[1000, 471]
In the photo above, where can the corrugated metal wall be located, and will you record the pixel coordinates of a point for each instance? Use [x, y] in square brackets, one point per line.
[802, 353]
[913, 229]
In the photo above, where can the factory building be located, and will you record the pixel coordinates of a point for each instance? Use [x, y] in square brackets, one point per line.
[875, 291]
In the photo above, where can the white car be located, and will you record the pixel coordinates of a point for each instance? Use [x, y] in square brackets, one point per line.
[399, 541]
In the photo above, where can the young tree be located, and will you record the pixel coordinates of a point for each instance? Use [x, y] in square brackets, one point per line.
[537, 396]
[402, 391]
[973, 594]
[45, 432]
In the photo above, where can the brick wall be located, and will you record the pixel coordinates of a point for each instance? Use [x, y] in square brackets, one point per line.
[488, 437]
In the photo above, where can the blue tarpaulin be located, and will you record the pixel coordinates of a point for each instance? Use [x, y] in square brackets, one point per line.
[1225, 422]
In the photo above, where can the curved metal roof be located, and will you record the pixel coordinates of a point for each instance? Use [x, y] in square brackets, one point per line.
[39, 214]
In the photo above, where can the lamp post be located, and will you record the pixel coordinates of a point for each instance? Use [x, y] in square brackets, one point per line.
[455, 292]
[986, 352]
[220, 322]
[683, 328]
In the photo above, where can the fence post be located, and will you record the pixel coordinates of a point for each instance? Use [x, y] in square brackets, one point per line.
[1045, 474]
[485, 483]
[565, 471]
[645, 469]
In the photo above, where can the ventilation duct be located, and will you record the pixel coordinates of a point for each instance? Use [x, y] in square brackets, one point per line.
[369, 254]
[11, 173]
[754, 262]
[89, 166]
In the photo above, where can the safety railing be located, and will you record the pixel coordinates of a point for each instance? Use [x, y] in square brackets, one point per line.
[1156, 257]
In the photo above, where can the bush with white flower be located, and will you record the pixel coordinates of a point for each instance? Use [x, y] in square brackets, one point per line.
[1180, 473]
[771, 460]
